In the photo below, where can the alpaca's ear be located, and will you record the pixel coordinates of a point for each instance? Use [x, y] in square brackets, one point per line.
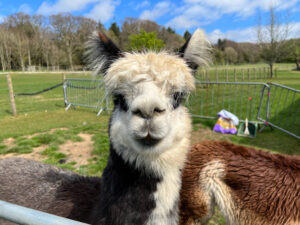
[197, 50]
[101, 52]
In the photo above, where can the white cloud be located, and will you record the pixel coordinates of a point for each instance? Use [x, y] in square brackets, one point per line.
[103, 11]
[242, 7]
[25, 8]
[239, 35]
[195, 12]
[295, 30]
[248, 34]
[183, 22]
[64, 6]
[158, 11]
[192, 16]
[142, 5]
[1, 18]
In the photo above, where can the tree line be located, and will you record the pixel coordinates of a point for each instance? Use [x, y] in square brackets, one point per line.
[58, 42]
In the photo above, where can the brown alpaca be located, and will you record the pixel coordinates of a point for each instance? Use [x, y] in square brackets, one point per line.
[250, 187]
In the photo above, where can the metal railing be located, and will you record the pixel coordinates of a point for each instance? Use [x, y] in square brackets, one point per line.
[244, 99]
[252, 100]
[86, 93]
[239, 74]
[285, 109]
[26, 216]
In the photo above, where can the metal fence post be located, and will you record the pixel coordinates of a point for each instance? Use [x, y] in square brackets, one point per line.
[22, 215]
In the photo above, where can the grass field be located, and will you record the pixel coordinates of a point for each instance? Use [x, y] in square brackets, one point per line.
[44, 131]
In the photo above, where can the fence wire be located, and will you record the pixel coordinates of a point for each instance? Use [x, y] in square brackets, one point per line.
[86, 93]
[235, 74]
[285, 109]
[244, 99]
[273, 104]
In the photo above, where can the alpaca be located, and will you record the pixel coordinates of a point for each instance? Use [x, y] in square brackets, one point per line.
[249, 186]
[149, 134]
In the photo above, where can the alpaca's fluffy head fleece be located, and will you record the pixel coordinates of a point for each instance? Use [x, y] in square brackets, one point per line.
[149, 118]
[165, 70]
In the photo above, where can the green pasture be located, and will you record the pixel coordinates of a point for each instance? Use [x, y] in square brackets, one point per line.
[28, 83]
[245, 100]
[39, 114]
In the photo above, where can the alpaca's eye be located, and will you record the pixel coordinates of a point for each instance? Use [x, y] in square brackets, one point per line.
[119, 101]
[178, 98]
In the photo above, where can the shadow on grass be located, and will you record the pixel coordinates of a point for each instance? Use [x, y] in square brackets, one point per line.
[288, 118]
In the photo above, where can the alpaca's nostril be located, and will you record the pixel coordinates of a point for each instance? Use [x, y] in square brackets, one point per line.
[138, 113]
[158, 111]
[148, 114]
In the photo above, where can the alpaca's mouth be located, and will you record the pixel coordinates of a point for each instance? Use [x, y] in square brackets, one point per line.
[148, 140]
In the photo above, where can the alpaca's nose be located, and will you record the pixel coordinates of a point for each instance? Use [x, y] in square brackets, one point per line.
[148, 114]
[148, 106]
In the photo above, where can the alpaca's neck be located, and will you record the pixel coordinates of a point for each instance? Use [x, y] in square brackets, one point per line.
[167, 195]
[126, 194]
[134, 195]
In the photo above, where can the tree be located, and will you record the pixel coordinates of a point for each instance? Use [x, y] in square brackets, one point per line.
[145, 40]
[230, 55]
[170, 30]
[114, 33]
[66, 27]
[292, 52]
[134, 26]
[219, 57]
[187, 35]
[296, 54]
[115, 29]
[271, 37]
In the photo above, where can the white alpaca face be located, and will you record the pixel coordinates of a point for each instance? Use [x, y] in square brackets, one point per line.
[149, 117]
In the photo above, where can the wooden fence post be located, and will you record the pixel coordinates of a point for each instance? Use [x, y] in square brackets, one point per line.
[11, 95]
[64, 77]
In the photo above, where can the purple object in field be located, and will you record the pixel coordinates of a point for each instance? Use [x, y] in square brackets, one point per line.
[225, 126]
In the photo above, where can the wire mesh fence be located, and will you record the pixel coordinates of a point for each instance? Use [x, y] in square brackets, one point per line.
[235, 74]
[86, 93]
[244, 99]
[285, 109]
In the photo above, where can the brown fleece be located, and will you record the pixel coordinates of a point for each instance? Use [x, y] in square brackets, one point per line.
[264, 187]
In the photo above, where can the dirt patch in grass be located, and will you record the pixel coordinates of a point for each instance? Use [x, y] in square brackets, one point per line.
[204, 133]
[34, 155]
[48, 132]
[9, 142]
[78, 152]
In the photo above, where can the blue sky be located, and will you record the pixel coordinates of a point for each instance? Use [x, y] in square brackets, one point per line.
[232, 19]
